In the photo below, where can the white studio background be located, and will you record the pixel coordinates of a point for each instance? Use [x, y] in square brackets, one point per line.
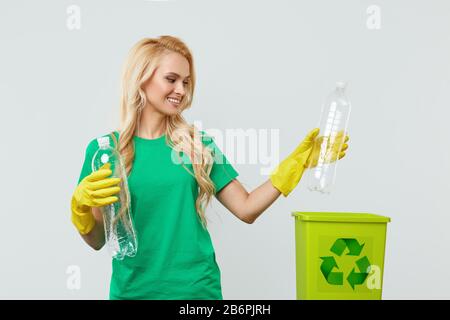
[260, 65]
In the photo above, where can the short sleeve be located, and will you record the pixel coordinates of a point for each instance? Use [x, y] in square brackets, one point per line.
[222, 171]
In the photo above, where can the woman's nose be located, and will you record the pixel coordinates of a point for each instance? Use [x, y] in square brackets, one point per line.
[179, 89]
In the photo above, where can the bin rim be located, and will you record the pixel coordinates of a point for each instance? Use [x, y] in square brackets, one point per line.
[340, 217]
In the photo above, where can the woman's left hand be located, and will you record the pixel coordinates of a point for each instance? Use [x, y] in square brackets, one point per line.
[333, 149]
[288, 173]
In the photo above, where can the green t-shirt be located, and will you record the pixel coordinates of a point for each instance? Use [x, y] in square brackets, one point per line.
[175, 257]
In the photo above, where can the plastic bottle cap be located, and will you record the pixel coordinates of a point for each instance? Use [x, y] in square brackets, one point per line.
[341, 84]
[103, 142]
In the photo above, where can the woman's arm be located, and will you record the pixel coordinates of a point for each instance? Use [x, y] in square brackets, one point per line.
[247, 206]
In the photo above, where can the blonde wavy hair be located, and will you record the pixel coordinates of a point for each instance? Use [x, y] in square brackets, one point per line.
[142, 61]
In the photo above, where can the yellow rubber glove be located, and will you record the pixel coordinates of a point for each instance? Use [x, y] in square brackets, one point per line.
[287, 174]
[95, 190]
[332, 147]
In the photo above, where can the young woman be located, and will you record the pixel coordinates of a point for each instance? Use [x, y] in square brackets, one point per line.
[175, 257]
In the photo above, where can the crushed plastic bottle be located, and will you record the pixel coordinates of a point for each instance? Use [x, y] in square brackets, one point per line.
[120, 235]
[333, 120]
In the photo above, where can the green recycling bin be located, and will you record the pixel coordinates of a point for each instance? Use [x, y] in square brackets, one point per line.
[339, 255]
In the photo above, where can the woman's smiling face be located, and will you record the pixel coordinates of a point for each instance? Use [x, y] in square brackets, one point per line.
[168, 86]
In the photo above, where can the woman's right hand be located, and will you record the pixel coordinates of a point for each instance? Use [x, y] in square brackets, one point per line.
[95, 190]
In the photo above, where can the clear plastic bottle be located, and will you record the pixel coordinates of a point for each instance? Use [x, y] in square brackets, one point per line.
[120, 235]
[333, 121]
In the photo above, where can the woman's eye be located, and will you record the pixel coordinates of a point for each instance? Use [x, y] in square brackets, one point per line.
[173, 80]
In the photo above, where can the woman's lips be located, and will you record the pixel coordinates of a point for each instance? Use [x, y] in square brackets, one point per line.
[174, 102]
